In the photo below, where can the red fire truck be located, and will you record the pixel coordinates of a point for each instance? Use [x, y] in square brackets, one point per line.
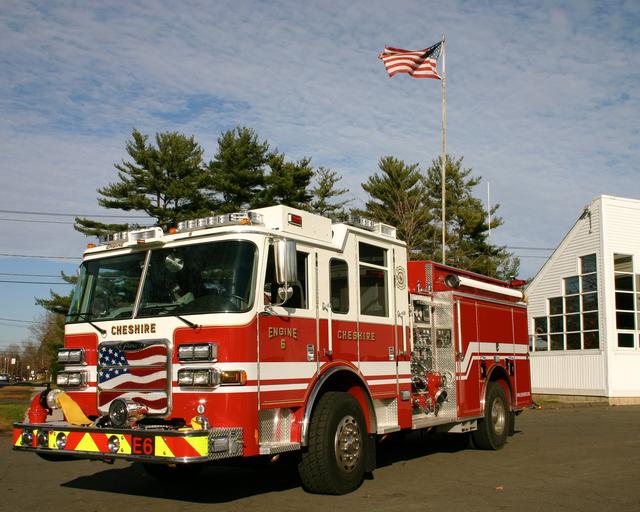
[272, 331]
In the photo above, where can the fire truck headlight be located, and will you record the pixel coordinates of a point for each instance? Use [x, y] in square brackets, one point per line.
[72, 379]
[185, 378]
[43, 439]
[198, 352]
[201, 377]
[185, 352]
[71, 355]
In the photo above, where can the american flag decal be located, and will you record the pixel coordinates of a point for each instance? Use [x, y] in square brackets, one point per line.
[137, 371]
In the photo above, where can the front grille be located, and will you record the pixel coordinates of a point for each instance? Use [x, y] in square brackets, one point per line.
[137, 370]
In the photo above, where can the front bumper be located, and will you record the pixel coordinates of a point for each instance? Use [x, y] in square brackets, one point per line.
[151, 445]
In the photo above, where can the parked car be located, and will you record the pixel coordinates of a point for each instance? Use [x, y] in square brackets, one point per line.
[4, 378]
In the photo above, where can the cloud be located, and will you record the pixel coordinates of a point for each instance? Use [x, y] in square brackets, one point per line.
[542, 97]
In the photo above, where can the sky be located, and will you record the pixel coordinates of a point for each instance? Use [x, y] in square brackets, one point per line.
[542, 102]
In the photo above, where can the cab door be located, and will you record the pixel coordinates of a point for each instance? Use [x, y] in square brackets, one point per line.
[287, 356]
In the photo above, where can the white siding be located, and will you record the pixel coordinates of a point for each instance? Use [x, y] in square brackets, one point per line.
[624, 377]
[568, 372]
[621, 236]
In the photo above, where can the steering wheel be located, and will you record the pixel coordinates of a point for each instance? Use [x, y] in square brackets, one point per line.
[241, 302]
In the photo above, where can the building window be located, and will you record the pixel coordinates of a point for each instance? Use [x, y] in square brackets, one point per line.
[572, 321]
[541, 339]
[627, 289]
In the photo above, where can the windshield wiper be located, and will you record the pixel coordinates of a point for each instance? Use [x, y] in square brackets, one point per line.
[164, 308]
[188, 322]
[99, 329]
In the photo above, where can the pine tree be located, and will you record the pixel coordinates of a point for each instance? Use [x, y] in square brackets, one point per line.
[325, 194]
[467, 233]
[163, 181]
[50, 332]
[287, 182]
[237, 171]
[56, 303]
[397, 197]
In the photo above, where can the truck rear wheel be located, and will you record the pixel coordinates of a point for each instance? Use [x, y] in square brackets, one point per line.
[493, 429]
[334, 461]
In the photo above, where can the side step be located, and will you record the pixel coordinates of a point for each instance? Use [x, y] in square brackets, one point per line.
[274, 448]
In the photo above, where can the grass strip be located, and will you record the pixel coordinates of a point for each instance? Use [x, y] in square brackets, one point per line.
[10, 413]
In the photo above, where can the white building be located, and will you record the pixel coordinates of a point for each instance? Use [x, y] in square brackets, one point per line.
[584, 307]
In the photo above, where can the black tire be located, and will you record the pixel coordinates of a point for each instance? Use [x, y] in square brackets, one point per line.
[493, 429]
[173, 473]
[334, 461]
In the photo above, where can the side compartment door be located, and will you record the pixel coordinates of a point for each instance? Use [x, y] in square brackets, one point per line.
[522, 369]
[468, 361]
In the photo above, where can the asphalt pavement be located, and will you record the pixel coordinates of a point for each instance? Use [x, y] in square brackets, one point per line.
[566, 459]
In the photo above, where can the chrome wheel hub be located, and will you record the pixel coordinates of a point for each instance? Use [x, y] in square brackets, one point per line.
[348, 444]
[498, 416]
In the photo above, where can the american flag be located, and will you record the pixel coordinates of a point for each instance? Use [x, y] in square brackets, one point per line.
[417, 63]
[137, 372]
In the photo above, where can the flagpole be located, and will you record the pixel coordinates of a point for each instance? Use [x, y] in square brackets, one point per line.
[443, 157]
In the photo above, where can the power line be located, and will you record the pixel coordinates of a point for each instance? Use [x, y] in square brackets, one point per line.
[21, 321]
[531, 248]
[35, 282]
[40, 256]
[4, 324]
[39, 221]
[58, 214]
[29, 275]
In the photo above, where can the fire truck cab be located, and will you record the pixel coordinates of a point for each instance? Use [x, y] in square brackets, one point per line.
[272, 331]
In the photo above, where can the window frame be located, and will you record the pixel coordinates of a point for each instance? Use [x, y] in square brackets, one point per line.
[385, 282]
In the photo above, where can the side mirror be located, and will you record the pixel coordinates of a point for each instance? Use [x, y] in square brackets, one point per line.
[286, 263]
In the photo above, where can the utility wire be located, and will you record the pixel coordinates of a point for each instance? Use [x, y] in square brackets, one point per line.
[29, 275]
[40, 256]
[35, 282]
[38, 221]
[21, 321]
[530, 248]
[58, 214]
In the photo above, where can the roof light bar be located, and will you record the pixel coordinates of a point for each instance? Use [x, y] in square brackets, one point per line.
[229, 219]
[140, 236]
[146, 235]
[360, 222]
[369, 225]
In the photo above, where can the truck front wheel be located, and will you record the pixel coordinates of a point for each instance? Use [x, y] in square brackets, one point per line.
[334, 461]
[493, 429]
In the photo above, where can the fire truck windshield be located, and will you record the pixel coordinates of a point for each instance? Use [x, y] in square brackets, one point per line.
[212, 277]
